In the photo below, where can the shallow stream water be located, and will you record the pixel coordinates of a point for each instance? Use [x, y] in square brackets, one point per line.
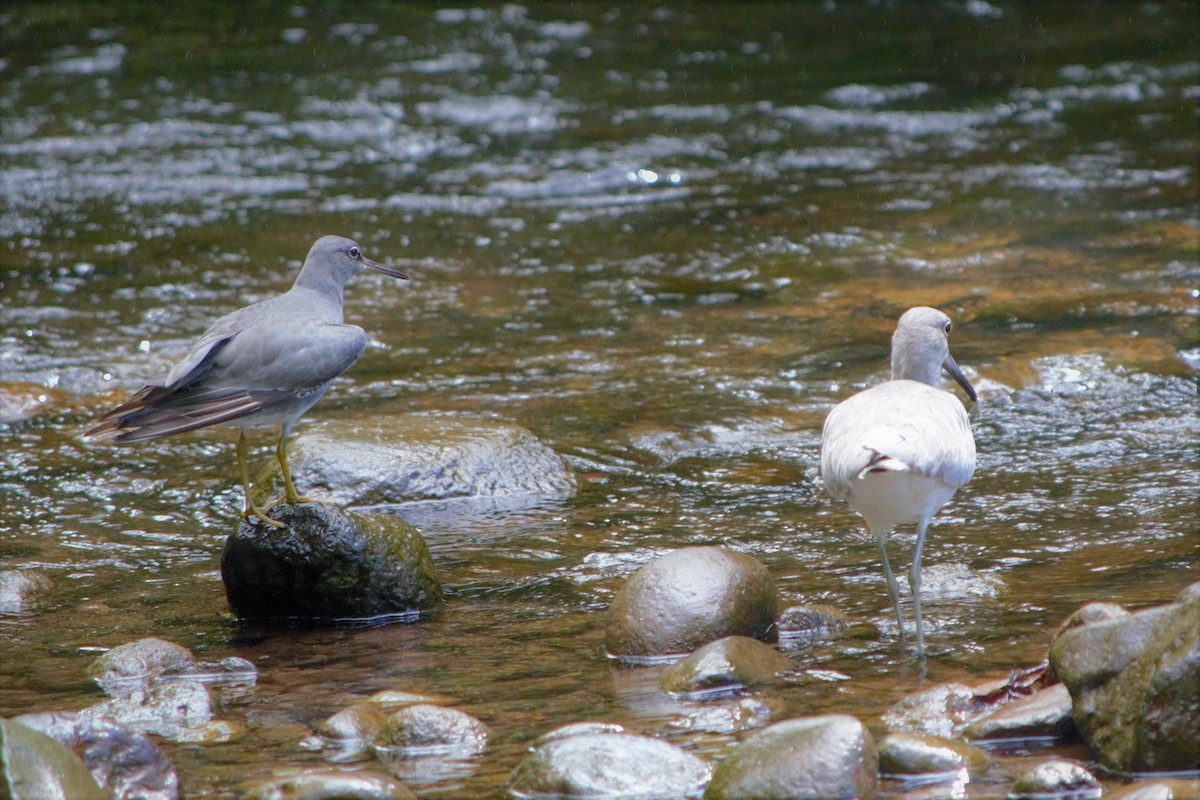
[664, 238]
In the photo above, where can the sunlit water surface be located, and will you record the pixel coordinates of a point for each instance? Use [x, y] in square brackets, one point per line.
[666, 240]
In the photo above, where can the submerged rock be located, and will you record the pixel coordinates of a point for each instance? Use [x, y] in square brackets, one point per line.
[400, 458]
[1135, 687]
[165, 709]
[19, 589]
[125, 763]
[728, 664]
[1057, 777]
[427, 729]
[922, 754]
[688, 598]
[829, 757]
[944, 710]
[328, 564]
[354, 727]
[608, 765]
[135, 665]
[34, 766]
[330, 784]
[811, 622]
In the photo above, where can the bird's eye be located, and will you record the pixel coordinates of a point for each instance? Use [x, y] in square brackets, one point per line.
[355, 253]
[947, 327]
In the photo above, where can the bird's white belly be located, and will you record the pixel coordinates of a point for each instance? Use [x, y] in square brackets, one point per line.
[889, 498]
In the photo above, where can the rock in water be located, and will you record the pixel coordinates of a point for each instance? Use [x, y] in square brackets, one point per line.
[830, 757]
[328, 564]
[407, 457]
[33, 765]
[1135, 686]
[583, 764]
[688, 598]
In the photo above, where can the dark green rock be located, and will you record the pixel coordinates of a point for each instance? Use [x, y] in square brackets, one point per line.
[609, 765]
[829, 757]
[1135, 687]
[328, 564]
[35, 767]
[688, 598]
[731, 663]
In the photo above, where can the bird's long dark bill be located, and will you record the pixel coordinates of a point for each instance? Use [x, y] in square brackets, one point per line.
[951, 367]
[382, 270]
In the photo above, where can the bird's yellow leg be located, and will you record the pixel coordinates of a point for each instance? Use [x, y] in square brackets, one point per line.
[252, 508]
[290, 495]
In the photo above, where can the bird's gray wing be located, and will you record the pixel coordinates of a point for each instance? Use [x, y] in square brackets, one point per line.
[276, 362]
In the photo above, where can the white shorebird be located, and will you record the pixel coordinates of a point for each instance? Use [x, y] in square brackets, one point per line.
[898, 452]
[260, 366]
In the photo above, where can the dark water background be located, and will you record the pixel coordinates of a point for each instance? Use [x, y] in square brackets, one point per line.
[666, 239]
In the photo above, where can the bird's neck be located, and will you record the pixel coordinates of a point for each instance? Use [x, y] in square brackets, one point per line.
[915, 369]
[325, 303]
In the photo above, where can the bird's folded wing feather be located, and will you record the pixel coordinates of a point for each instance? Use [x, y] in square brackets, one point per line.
[224, 378]
[863, 435]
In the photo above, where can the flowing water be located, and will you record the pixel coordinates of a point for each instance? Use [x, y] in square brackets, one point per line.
[664, 238]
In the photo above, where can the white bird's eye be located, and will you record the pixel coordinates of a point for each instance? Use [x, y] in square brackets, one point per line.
[947, 327]
[355, 253]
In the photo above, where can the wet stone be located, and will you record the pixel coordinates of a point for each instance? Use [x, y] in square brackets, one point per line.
[922, 754]
[1045, 714]
[428, 729]
[1057, 777]
[333, 784]
[728, 664]
[1168, 789]
[138, 661]
[688, 598]
[944, 710]
[604, 764]
[34, 766]
[328, 564]
[165, 709]
[1134, 685]
[387, 459]
[125, 763]
[811, 622]
[355, 726]
[829, 757]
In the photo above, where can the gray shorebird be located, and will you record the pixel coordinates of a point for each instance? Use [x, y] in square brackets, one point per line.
[898, 452]
[260, 366]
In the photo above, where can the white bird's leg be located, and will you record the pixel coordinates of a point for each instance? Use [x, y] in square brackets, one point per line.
[290, 495]
[914, 581]
[893, 592]
[252, 508]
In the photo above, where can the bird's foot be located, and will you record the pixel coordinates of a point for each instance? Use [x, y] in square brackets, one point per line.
[292, 499]
[262, 515]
